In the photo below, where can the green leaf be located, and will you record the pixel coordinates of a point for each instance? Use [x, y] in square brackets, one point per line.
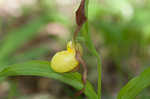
[42, 68]
[135, 86]
[87, 36]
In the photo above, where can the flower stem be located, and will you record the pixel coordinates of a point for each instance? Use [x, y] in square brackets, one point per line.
[90, 45]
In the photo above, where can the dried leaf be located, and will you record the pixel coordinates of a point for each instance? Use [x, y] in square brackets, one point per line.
[80, 14]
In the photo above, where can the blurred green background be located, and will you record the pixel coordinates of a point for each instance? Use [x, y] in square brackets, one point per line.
[37, 29]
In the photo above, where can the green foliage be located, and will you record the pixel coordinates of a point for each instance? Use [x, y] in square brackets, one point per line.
[14, 40]
[92, 49]
[125, 37]
[86, 34]
[135, 86]
[42, 68]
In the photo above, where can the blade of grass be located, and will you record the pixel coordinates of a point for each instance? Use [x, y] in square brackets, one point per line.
[42, 68]
[90, 45]
[135, 86]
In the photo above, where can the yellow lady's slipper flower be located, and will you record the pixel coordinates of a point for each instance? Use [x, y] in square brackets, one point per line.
[65, 61]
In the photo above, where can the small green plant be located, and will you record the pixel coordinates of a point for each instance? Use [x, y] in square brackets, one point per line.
[73, 53]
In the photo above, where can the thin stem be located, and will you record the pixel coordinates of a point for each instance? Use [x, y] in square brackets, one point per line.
[99, 76]
[76, 33]
[84, 75]
[82, 19]
[90, 45]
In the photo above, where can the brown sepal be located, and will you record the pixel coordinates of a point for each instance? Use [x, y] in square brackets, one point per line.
[80, 14]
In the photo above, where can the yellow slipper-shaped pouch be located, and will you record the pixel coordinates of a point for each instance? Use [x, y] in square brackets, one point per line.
[64, 61]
